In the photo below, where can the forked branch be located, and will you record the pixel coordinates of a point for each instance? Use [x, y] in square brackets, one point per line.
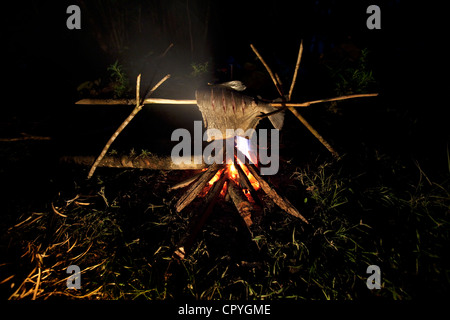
[139, 105]
[283, 105]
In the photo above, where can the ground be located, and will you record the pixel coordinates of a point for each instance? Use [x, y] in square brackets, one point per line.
[121, 229]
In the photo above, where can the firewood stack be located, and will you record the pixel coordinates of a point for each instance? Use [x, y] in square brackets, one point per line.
[221, 182]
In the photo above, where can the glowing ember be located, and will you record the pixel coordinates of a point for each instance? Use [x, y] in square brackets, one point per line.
[233, 173]
[216, 177]
[243, 145]
[250, 177]
[224, 189]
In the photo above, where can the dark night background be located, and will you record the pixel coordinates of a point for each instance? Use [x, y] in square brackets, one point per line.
[45, 63]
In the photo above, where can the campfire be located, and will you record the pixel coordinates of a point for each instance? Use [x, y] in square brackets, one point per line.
[236, 181]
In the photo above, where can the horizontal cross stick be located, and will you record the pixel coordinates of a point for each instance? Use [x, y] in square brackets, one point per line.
[194, 102]
[131, 102]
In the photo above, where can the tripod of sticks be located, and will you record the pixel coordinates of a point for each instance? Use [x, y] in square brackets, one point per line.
[284, 104]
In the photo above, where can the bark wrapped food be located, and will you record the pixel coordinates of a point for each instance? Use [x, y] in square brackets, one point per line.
[224, 106]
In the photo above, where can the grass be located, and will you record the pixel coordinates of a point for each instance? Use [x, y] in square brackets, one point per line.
[121, 230]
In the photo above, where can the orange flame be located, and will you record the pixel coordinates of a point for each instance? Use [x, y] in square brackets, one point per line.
[233, 173]
[251, 178]
[215, 178]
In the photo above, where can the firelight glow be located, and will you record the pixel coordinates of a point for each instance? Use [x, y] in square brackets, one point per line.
[244, 146]
[233, 173]
[213, 152]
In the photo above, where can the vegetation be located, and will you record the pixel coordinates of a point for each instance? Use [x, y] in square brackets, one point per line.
[120, 80]
[199, 69]
[116, 85]
[121, 230]
[350, 76]
[353, 77]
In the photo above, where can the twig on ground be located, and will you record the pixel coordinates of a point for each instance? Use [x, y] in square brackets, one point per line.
[24, 137]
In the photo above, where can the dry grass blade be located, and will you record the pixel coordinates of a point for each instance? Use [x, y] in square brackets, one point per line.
[38, 282]
[16, 293]
[7, 279]
[27, 219]
[57, 212]
[82, 254]
[86, 295]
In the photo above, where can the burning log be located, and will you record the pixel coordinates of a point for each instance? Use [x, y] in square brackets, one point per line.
[199, 218]
[244, 207]
[185, 183]
[231, 178]
[197, 187]
[245, 182]
[282, 202]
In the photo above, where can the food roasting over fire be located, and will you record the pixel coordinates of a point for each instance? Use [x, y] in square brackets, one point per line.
[224, 106]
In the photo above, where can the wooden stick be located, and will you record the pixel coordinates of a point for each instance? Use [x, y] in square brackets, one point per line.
[282, 202]
[133, 101]
[146, 162]
[297, 65]
[245, 182]
[308, 103]
[314, 132]
[194, 102]
[243, 179]
[197, 186]
[165, 52]
[295, 112]
[126, 122]
[200, 216]
[268, 70]
[24, 138]
[243, 206]
[185, 183]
